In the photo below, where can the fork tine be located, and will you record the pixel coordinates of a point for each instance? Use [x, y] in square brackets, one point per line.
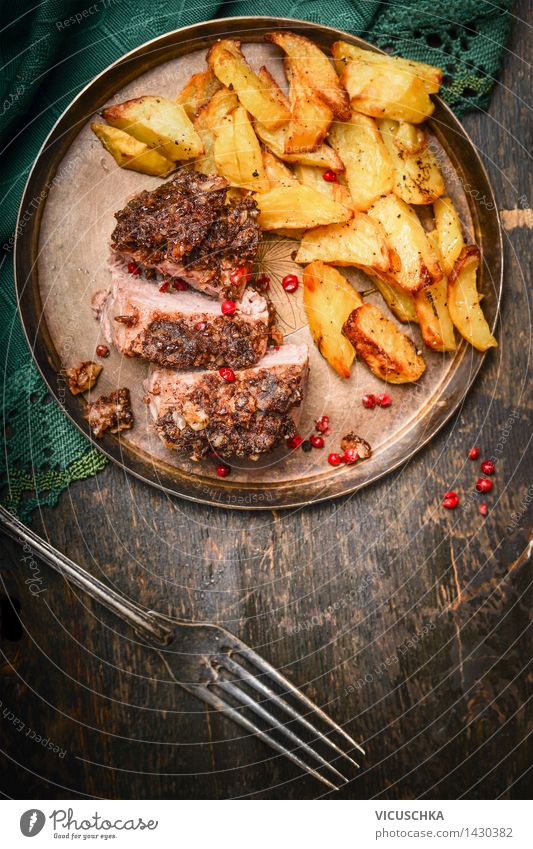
[262, 688]
[202, 692]
[247, 701]
[273, 673]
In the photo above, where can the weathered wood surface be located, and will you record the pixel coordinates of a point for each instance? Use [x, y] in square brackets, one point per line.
[408, 622]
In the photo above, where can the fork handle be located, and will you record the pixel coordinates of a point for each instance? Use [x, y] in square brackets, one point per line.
[149, 624]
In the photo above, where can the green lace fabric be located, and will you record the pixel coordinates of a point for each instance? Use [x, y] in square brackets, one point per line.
[48, 53]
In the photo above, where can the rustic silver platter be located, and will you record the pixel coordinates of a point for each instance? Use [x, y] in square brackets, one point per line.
[66, 217]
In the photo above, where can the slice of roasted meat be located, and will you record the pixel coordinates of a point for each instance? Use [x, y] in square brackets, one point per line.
[181, 329]
[186, 228]
[199, 412]
[110, 412]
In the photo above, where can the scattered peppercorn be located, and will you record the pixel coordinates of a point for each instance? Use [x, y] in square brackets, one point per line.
[133, 268]
[294, 441]
[102, 351]
[473, 454]
[451, 500]
[223, 471]
[306, 446]
[316, 441]
[384, 400]
[488, 467]
[334, 459]
[368, 401]
[484, 485]
[329, 176]
[228, 307]
[350, 456]
[227, 374]
[483, 508]
[290, 282]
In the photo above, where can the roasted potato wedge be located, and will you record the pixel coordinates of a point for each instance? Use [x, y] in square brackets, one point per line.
[360, 242]
[430, 75]
[130, 153]
[310, 116]
[198, 91]
[449, 233]
[228, 63]
[418, 264]
[368, 167]
[400, 302]
[410, 138]
[316, 69]
[277, 172]
[434, 319]
[417, 176]
[323, 157]
[387, 351]
[159, 123]
[237, 153]
[432, 310]
[221, 104]
[328, 300]
[205, 163]
[298, 206]
[463, 301]
[386, 93]
[310, 176]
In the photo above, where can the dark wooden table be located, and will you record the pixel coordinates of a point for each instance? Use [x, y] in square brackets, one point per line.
[408, 622]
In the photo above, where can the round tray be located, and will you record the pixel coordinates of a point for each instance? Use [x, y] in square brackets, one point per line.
[61, 259]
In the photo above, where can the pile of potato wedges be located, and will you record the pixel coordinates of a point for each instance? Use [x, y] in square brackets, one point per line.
[341, 164]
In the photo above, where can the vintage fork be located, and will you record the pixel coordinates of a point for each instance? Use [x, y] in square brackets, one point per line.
[221, 670]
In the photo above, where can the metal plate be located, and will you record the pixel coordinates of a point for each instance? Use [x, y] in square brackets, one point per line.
[66, 218]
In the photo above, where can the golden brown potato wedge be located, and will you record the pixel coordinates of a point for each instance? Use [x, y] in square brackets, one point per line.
[383, 93]
[205, 163]
[298, 206]
[323, 157]
[237, 153]
[277, 172]
[432, 310]
[400, 302]
[328, 300]
[316, 69]
[221, 104]
[430, 75]
[198, 91]
[368, 167]
[387, 351]
[130, 153]
[310, 116]
[360, 242]
[159, 123]
[417, 176]
[463, 301]
[434, 317]
[229, 65]
[418, 263]
[449, 233]
[410, 138]
[310, 176]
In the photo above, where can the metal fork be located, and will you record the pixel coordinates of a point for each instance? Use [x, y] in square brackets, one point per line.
[222, 671]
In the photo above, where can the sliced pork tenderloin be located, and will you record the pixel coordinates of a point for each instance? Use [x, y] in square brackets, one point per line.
[186, 228]
[181, 329]
[199, 412]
